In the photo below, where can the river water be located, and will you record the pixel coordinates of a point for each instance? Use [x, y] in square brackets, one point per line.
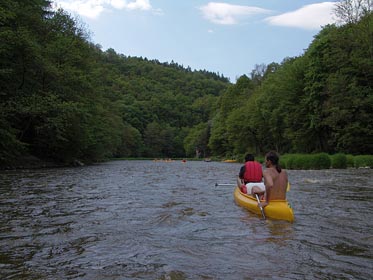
[167, 220]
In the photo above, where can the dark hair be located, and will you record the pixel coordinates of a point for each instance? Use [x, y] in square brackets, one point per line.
[274, 158]
[249, 157]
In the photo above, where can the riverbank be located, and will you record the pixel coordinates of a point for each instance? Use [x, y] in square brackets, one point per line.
[32, 162]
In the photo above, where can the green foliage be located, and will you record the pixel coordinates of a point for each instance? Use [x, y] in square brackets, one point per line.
[218, 142]
[306, 161]
[325, 161]
[318, 102]
[10, 146]
[339, 86]
[196, 141]
[363, 161]
[131, 145]
[63, 98]
[261, 159]
[321, 161]
[350, 161]
[286, 161]
[339, 161]
[298, 162]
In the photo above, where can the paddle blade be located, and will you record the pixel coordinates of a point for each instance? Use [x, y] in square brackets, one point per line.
[261, 208]
[288, 187]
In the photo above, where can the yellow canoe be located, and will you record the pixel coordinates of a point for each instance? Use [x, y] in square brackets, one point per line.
[276, 209]
[230, 160]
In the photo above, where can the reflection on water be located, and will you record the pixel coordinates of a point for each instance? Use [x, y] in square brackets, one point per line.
[167, 220]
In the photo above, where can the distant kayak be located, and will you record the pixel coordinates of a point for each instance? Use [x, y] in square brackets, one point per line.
[230, 160]
[276, 209]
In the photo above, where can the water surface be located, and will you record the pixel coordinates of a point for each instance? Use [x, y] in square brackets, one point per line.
[167, 220]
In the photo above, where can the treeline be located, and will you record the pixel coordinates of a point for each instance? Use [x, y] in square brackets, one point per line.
[319, 102]
[64, 99]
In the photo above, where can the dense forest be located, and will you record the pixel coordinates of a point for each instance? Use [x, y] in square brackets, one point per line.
[64, 99]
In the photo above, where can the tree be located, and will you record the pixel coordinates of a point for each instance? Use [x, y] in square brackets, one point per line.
[197, 140]
[351, 11]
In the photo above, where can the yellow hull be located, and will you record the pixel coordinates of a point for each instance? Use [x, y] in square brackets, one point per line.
[230, 160]
[276, 209]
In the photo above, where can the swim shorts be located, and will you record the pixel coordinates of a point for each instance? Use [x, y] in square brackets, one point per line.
[249, 186]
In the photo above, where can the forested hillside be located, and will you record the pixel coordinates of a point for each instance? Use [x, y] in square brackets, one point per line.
[321, 101]
[65, 99]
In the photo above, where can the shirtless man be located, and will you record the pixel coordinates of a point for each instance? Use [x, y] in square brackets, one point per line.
[275, 179]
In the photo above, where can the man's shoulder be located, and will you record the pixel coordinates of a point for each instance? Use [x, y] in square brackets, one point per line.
[269, 171]
[283, 173]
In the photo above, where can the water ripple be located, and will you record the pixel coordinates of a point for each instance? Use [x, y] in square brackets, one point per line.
[160, 220]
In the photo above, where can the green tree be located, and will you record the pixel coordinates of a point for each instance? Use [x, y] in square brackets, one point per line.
[197, 141]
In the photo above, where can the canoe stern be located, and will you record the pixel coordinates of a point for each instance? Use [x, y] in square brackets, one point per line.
[276, 209]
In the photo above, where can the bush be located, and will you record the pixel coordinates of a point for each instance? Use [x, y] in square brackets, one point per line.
[303, 161]
[363, 161]
[339, 161]
[320, 161]
[291, 161]
[260, 159]
[350, 161]
[324, 161]
[296, 161]
[284, 161]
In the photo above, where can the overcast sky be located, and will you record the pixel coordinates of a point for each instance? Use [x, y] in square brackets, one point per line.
[227, 37]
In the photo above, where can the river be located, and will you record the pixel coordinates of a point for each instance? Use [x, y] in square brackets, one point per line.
[167, 220]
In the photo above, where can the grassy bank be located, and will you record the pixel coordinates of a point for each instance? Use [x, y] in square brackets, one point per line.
[322, 161]
[325, 161]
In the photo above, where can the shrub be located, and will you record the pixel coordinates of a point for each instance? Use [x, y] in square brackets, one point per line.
[339, 161]
[284, 161]
[321, 161]
[290, 161]
[363, 161]
[350, 161]
[324, 161]
[297, 161]
[305, 161]
[260, 159]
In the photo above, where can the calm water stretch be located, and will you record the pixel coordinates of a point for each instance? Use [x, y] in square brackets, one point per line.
[167, 220]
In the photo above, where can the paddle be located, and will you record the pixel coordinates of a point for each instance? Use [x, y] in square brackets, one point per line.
[216, 184]
[260, 206]
[256, 195]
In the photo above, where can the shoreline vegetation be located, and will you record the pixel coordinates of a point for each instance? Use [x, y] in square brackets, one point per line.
[65, 101]
[288, 161]
[323, 161]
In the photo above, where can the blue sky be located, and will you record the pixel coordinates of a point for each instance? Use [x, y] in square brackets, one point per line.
[225, 37]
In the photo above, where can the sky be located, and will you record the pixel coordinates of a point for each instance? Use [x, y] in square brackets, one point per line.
[227, 37]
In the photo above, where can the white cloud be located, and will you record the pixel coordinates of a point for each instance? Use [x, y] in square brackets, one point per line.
[223, 13]
[139, 4]
[94, 8]
[118, 4]
[308, 17]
